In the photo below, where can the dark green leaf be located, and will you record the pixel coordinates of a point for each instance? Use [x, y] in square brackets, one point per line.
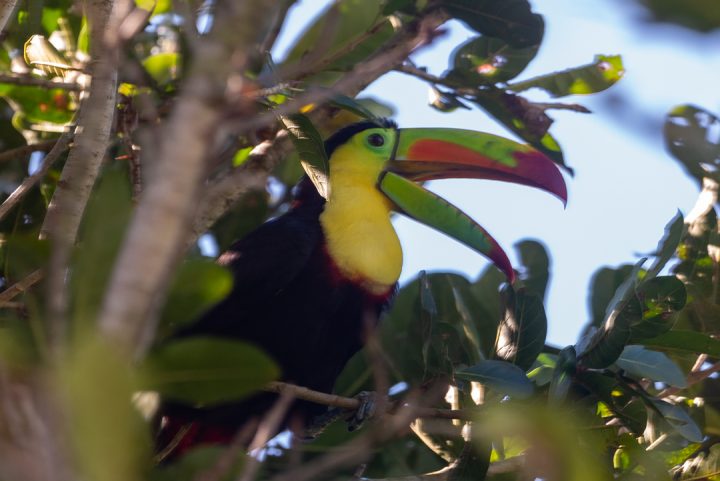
[198, 285]
[474, 460]
[502, 376]
[206, 371]
[603, 286]
[563, 374]
[247, 215]
[510, 20]
[653, 365]
[701, 15]
[535, 262]
[691, 136]
[521, 335]
[668, 245]
[686, 341]
[363, 108]
[487, 60]
[310, 147]
[588, 79]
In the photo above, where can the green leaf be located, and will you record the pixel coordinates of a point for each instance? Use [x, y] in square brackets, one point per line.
[241, 156]
[653, 365]
[535, 262]
[521, 335]
[163, 67]
[510, 20]
[502, 376]
[155, 6]
[691, 136]
[587, 79]
[109, 438]
[680, 420]
[206, 371]
[198, 285]
[487, 60]
[310, 147]
[685, 341]
[38, 105]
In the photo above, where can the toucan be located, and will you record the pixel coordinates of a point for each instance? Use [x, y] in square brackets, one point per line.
[306, 282]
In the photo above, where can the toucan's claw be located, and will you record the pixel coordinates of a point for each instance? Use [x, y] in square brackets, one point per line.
[369, 401]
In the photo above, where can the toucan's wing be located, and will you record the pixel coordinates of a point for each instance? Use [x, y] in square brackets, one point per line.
[263, 263]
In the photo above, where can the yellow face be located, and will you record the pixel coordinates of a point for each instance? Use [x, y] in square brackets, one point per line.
[363, 157]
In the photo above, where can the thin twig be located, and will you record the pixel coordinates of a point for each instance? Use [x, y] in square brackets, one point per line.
[18, 194]
[266, 430]
[21, 286]
[693, 378]
[279, 20]
[24, 150]
[349, 403]
[27, 80]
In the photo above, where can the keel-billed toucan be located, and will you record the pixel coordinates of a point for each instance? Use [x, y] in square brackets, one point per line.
[305, 281]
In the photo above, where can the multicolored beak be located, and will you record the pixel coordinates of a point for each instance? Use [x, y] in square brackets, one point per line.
[427, 154]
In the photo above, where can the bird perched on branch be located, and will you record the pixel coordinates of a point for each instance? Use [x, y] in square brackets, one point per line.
[306, 281]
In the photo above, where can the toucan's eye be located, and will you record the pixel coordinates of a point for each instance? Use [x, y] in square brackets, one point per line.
[376, 140]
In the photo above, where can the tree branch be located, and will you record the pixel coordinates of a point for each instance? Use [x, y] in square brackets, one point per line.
[94, 123]
[6, 10]
[300, 392]
[137, 286]
[21, 286]
[18, 194]
[24, 150]
[27, 80]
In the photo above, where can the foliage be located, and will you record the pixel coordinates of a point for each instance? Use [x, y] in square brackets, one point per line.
[634, 398]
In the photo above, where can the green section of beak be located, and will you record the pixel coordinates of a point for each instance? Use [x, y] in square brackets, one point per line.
[427, 208]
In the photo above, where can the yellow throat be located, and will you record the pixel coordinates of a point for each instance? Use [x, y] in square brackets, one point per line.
[356, 221]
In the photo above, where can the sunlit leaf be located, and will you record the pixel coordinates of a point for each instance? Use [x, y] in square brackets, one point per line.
[109, 437]
[502, 376]
[653, 365]
[163, 67]
[205, 371]
[595, 77]
[41, 54]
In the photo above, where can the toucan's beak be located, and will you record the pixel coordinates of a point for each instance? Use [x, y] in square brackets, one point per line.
[426, 154]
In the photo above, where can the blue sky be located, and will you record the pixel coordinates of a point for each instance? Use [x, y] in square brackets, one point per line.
[626, 186]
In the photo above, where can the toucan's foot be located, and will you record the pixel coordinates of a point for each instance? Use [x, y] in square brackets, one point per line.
[369, 402]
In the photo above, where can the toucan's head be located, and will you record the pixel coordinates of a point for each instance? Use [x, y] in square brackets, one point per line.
[392, 160]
